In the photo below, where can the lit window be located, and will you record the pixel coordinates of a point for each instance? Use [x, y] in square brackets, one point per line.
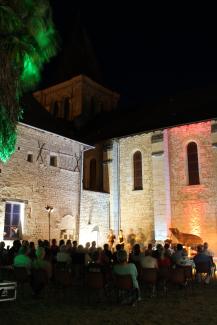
[12, 225]
[137, 170]
[53, 161]
[30, 157]
[193, 167]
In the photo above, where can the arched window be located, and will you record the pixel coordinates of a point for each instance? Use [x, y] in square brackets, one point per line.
[92, 174]
[66, 108]
[193, 168]
[137, 169]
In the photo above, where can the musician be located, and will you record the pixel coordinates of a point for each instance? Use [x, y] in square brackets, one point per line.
[111, 238]
[121, 237]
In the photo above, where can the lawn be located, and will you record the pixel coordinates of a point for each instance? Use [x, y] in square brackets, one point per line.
[71, 306]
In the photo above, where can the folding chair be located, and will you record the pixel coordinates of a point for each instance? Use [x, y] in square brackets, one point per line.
[126, 293]
[149, 279]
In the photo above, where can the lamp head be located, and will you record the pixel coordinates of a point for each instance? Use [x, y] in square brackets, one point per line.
[49, 208]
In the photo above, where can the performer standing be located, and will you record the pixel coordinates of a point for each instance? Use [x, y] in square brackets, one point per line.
[121, 237]
[111, 238]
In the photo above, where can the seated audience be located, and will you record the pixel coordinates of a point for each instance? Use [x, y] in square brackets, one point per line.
[123, 268]
[63, 255]
[200, 257]
[148, 261]
[176, 257]
[22, 260]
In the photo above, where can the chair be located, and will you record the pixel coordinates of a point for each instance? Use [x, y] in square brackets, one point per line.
[163, 276]
[22, 277]
[178, 279]
[94, 282]
[39, 280]
[126, 293]
[149, 279]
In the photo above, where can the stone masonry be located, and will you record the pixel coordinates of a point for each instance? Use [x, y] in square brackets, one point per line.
[36, 184]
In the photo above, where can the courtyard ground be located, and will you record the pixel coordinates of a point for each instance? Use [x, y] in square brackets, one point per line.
[71, 306]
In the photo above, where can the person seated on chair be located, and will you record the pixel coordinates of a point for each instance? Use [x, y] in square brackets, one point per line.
[135, 255]
[200, 257]
[185, 260]
[124, 268]
[63, 255]
[148, 261]
[41, 263]
[41, 272]
[177, 254]
[209, 253]
[22, 260]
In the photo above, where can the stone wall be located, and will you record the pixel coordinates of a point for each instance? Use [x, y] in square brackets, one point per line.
[193, 207]
[94, 221]
[136, 206]
[37, 184]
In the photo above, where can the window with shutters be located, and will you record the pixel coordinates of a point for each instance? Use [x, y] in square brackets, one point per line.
[92, 184]
[193, 167]
[137, 170]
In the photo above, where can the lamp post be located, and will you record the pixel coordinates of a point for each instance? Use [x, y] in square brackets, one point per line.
[49, 209]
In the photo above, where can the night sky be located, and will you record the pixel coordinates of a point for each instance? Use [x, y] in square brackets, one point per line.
[143, 52]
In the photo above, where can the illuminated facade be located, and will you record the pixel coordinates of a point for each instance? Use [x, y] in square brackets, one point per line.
[141, 183]
[178, 183]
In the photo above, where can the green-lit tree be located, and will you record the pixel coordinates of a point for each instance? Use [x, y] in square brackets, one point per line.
[27, 41]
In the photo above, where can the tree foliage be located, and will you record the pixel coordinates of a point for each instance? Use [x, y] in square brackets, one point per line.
[27, 41]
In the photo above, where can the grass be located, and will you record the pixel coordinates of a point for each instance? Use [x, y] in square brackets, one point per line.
[71, 307]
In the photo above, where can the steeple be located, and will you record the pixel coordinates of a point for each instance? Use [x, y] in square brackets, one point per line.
[78, 55]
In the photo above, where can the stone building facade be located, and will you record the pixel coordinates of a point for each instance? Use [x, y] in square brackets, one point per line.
[142, 183]
[166, 198]
[44, 171]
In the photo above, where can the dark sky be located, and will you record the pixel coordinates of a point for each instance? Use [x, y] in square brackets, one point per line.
[145, 51]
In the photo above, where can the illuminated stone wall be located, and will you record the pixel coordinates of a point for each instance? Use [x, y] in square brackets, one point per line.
[193, 207]
[94, 222]
[38, 184]
[136, 206]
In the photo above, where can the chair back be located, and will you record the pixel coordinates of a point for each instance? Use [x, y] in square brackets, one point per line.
[163, 273]
[39, 276]
[94, 280]
[177, 276]
[188, 271]
[149, 275]
[123, 281]
[202, 267]
[21, 274]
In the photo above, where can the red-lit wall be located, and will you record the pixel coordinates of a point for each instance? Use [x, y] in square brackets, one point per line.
[193, 207]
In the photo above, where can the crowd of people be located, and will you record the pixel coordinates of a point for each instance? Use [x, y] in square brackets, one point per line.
[109, 260]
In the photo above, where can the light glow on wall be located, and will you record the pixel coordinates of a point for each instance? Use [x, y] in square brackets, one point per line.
[194, 213]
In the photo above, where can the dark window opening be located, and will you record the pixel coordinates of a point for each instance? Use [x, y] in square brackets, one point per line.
[137, 169]
[53, 161]
[193, 167]
[30, 157]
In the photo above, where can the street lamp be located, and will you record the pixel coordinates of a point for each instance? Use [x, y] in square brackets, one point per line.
[49, 209]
